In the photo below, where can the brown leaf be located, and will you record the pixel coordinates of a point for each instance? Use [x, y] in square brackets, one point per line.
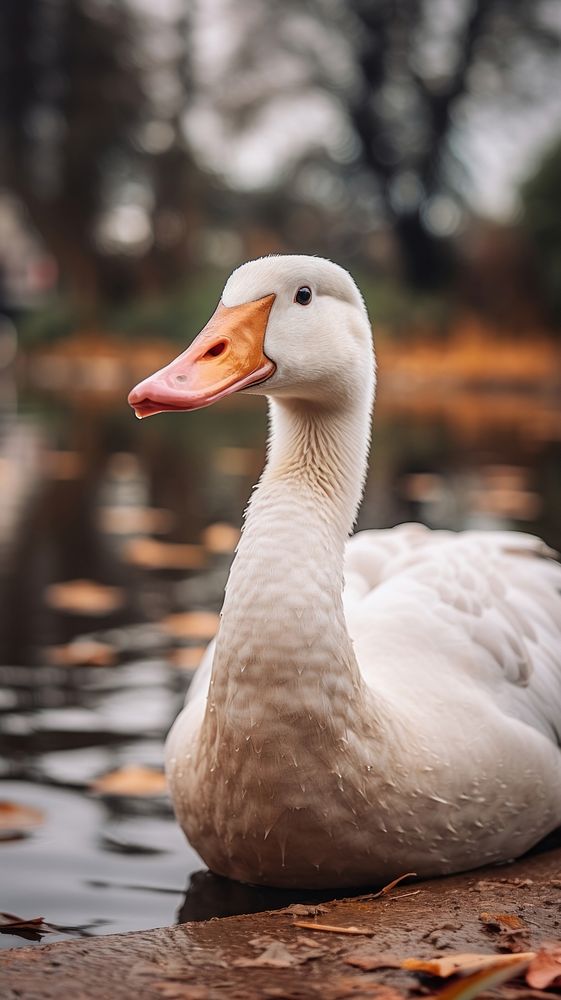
[181, 991]
[467, 987]
[14, 818]
[82, 653]
[368, 961]
[331, 928]
[501, 921]
[545, 968]
[9, 922]
[464, 963]
[148, 553]
[84, 597]
[355, 986]
[276, 956]
[309, 943]
[220, 538]
[132, 779]
[192, 625]
[261, 942]
[302, 910]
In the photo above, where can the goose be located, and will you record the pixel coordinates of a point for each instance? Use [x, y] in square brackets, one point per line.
[385, 704]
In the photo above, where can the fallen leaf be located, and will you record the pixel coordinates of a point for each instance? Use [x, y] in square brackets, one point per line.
[16, 819]
[308, 942]
[192, 625]
[370, 960]
[302, 910]
[261, 942]
[467, 987]
[545, 968]
[180, 991]
[9, 922]
[348, 986]
[82, 653]
[276, 956]
[132, 779]
[125, 520]
[501, 921]
[331, 928]
[187, 657]
[148, 553]
[220, 538]
[464, 963]
[84, 597]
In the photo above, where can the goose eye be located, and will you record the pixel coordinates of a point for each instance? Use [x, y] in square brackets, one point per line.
[303, 296]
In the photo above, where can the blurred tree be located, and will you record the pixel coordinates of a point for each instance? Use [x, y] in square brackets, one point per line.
[541, 219]
[90, 102]
[402, 77]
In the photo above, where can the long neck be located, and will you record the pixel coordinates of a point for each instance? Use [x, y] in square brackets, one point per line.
[283, 651]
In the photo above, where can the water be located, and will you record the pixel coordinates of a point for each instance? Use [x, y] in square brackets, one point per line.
[83, 487]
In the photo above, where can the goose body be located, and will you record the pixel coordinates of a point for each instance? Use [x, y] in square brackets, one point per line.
[370, 706]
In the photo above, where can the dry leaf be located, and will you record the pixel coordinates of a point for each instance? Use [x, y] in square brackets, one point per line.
[467, 987]
[261, 942]
[9, 922]
[464, 963]
[331, 928]
[302, 910]
[545, 967]
[220, 538]
[123, 520]
[192, 625]
[132, 779]
[501, 921]
[82, 653]
[84, 597]
[369, 961]
[15, 819]
[187, 657]
[276, 956]
[348, 986]
[180, 991]
[151, 554]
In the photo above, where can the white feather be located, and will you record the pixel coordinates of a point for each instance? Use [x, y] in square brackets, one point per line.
[408, 722]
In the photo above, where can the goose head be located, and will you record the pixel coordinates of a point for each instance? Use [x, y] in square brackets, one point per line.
[293, 327]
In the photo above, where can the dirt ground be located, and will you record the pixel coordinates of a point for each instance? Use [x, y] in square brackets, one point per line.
[512, 908]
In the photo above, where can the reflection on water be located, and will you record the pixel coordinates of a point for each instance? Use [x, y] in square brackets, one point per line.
[149, 513]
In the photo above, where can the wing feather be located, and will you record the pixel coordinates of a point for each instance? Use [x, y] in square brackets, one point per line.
[498, 592]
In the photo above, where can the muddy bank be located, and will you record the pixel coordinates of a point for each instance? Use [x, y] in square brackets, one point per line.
[269, 955]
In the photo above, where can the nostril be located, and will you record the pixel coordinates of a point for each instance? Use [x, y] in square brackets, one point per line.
[216, 350]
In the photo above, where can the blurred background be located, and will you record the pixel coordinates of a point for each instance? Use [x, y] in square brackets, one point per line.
[147, 147]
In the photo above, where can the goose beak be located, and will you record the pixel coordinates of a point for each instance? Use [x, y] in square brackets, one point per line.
[228, 355]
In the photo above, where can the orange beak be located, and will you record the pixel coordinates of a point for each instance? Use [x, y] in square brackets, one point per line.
[228, 355]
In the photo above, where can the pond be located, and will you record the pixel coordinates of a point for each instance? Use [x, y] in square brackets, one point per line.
[92, 674]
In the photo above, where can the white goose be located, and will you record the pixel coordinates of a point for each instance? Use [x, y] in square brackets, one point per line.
[343, 733]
